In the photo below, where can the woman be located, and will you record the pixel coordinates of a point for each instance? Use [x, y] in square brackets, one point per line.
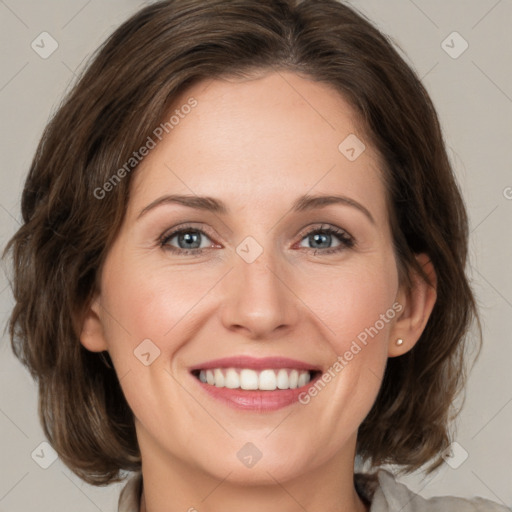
[242, 264]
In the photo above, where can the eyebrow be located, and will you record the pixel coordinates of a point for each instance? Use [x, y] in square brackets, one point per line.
[303, 203]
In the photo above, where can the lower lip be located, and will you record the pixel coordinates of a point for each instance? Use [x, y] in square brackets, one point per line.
[256, 400]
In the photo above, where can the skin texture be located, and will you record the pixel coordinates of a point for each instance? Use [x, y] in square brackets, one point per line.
[257, 145]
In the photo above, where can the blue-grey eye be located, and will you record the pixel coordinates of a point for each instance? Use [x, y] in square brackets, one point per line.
[187, 239]
[320, 240]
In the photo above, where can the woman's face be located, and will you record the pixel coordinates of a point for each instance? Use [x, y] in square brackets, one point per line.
[258, 270]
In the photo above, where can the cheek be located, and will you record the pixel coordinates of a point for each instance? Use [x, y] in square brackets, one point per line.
[145, 302]
[354, 301]
[149, 300]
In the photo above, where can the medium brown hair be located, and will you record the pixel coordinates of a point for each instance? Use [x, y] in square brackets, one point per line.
[117, 103]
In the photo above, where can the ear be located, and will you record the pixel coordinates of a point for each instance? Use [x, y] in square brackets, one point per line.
[418, 302]
[92, 335]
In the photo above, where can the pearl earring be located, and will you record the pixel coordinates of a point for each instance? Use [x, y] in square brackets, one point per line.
[399, 341]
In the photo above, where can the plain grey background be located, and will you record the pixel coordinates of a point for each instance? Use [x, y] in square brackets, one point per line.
[472, 91]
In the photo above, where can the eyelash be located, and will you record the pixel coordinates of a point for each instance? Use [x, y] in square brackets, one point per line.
[346, 240]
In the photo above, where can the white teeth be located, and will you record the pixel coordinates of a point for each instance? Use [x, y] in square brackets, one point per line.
[219, 378]
[303, 379]
[294, 379]
[232, 379]
[283, 382]
[248, 379]
[268, 380]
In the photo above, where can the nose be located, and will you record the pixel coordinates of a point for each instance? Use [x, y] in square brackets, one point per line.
[258, 298]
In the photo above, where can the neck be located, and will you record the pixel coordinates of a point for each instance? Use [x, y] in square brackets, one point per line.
[354, 504]
[172, 485]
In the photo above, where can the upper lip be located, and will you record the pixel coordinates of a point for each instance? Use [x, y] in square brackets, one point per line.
[254, 363]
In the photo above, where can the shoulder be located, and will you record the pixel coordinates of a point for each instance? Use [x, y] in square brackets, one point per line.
[129, 499]
[388, 495]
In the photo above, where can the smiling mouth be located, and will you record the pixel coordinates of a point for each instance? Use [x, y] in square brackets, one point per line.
[250, 379]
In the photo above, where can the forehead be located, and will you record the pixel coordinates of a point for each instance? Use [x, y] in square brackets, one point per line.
[273, 137]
